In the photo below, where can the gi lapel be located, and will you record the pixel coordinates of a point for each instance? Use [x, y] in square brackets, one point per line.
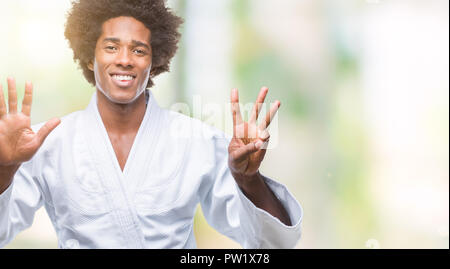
[118, 186]
[143, 149]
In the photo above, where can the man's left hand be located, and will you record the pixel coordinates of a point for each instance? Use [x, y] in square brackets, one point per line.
[249, 143]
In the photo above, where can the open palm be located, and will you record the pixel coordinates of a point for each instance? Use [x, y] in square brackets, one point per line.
[248, 145]
[18, 142]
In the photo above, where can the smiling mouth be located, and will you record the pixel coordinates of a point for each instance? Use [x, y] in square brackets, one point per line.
[123, 81]
[123, 77]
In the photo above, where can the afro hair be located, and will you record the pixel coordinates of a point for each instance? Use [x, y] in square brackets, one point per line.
[84, 27]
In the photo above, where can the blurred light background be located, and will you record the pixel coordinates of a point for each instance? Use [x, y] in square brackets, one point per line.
[363, 139]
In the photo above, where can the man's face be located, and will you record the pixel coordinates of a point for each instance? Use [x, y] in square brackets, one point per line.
[123, 58]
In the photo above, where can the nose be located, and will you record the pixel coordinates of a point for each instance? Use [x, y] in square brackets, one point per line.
[124, 58]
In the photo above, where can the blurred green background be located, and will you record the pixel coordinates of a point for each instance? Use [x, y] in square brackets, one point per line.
[363, 130]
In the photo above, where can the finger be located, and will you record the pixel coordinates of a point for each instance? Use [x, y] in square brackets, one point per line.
[46, 129]
[2, 102]
[270, 115]
[27, 99]
[237, 117]
[259, 156]
[241, 153]
[12, 95]
[264, 135]
[259, 102]
[264, 145]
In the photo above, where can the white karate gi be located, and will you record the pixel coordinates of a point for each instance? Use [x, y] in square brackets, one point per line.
[151, 204]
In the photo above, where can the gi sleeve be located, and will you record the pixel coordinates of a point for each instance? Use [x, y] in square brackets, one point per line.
[230, 212]
[18, 204]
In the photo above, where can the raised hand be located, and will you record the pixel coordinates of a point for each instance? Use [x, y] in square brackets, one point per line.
[248, 145]
[18, 142]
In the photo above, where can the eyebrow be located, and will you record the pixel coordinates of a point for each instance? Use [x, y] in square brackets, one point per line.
[134, 42]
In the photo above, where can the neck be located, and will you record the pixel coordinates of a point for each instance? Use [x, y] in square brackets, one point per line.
[121, 118]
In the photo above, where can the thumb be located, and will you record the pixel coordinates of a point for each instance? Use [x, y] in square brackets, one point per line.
[242, 152]
[46, 129]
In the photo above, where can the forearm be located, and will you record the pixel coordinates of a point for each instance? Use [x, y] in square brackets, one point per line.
[6, 176]
[257, 191]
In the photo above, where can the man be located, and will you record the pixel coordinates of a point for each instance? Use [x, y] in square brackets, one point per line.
[117, 175]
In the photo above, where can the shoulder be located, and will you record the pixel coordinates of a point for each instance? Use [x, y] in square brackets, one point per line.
[51, 148]
[67, 126]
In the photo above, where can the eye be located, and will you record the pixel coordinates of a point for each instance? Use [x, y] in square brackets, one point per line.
[110, 48]
[140, 52]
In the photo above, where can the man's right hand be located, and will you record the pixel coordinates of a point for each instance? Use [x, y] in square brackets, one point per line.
[18, 142]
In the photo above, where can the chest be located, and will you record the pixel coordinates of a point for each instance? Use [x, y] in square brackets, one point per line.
[155, 194]
[122, 145]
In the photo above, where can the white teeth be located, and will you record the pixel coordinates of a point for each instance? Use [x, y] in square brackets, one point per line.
[117, 77]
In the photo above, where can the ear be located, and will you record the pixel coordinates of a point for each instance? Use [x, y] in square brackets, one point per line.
[90, 65]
